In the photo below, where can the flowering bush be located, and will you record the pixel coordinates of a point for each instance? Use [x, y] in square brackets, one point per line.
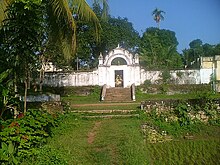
[25, 134]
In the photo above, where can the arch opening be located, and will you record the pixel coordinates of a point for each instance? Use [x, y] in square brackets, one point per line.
[119, 61]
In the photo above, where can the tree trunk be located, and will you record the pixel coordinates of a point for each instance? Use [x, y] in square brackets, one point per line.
[41, 79]
[25, 94]
[42, 70]
[26, 88]
[29, 79]
[15, 85]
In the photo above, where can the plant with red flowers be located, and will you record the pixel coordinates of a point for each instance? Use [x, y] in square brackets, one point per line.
[27, 133]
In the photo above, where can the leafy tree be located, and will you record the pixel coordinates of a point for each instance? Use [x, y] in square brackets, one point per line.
[59, 17]
[24, 23]
[7, 102]
[217, 49]
[208, 50]
[158, 16]
[114, 31]
[158, 49]
[22, 39]
[197, 50]
[195, 44]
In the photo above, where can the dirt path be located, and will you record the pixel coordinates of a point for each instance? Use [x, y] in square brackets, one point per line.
[93, 132]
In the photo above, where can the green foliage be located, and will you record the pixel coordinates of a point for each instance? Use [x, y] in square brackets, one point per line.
[8, 103]
[195, 44]
[166, 76]
[198, 49]
[164, 88]
[158, 49]
[120, 141]
[147, 82]
[190, 116]
[88, 50]
[7, 153]
[179, 74]
[182, 112]
[27, 132]
[22, 36]
[158, 16]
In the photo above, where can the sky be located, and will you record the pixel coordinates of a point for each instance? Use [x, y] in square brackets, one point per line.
[189, 19]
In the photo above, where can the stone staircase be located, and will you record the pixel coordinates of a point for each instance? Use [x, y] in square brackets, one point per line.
[118, 94]
[117, 103]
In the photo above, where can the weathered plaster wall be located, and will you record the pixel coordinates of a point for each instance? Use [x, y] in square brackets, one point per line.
[133, 73]
[58, 79]
[104, 76]
[217, 67]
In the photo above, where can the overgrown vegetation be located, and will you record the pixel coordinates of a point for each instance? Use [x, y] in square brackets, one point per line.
[21, 137]
[115, 141]
[171, 89]
[121, 141]
[47, 29]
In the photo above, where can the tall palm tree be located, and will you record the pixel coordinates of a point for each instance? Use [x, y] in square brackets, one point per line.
[60, 18]
[158, 16]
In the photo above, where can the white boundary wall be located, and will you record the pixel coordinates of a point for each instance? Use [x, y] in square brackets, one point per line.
[132, 73]
[59, 79]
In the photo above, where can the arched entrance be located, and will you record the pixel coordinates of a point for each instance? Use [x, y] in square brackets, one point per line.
[119, 74]
[119, 68]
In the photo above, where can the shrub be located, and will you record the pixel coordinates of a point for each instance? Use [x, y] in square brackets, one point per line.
[26, 133]
[182, 112]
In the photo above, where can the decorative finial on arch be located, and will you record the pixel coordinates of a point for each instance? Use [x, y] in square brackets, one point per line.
[100, 55]
[101, 59]
[118, 46]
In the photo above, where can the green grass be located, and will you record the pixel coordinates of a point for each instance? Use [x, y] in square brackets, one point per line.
[185, 152]
[143, 96]
[107, 106]
[117, 141]
[95, 97]
[139, 97]
[75, 99]
[120, 141]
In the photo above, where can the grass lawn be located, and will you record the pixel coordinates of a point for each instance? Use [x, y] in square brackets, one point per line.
[94, 98]
[120, 141]
[107, 141]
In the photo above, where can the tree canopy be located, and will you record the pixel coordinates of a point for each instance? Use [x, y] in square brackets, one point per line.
[28, 27]
[198, 49]
[158, 49]
[114, 31]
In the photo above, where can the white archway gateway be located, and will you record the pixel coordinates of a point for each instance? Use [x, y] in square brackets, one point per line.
[119, 68]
